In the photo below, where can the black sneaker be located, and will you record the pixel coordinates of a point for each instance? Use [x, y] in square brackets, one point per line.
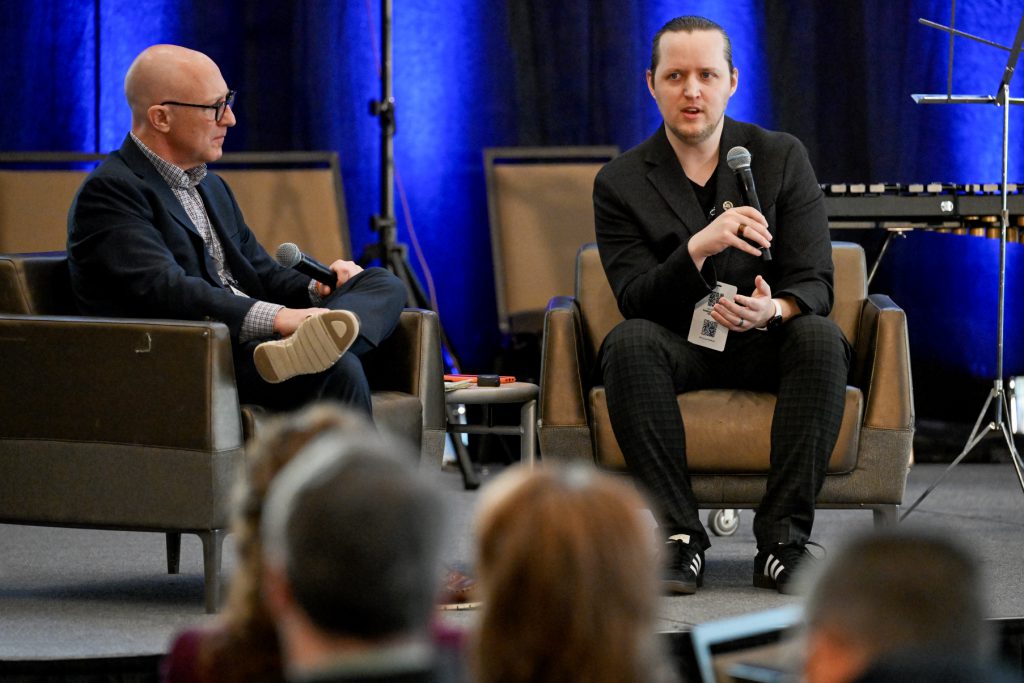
[775, 567]
[684, 570]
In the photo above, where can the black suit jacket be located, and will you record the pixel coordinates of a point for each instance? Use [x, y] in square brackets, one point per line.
[646, 211]
[133, 252]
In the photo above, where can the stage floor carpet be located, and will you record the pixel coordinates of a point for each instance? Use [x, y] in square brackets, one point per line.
[74, 594]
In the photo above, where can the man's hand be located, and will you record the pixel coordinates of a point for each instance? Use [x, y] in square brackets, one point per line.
[732, 229]
[345, 271]
[289, 319]
[746, 312]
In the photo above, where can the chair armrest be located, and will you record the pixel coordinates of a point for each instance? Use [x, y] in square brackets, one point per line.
[563, 366]
[410, 361]
[36, 284]
[881, 365]
[162, 383]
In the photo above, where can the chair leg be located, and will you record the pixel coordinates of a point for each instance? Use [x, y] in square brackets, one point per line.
[213, 541]
[173, 551]
[528, 433]
[886, 515]
[470, 481]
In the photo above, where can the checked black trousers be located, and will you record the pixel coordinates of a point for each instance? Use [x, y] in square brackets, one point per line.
[805, 362]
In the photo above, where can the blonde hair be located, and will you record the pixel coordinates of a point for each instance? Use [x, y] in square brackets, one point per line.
[568, 569]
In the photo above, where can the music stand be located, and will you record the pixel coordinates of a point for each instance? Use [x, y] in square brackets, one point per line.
[997, 396]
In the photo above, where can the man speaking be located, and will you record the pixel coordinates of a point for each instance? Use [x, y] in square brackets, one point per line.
[705, 306]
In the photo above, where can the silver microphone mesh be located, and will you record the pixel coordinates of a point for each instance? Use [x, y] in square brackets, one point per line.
[737, 158]
[288, 254]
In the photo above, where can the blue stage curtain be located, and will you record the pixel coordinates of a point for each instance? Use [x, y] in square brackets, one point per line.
[48, 76]
[476, 73]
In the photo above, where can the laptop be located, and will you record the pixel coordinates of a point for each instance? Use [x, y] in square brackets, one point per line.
[759, 647]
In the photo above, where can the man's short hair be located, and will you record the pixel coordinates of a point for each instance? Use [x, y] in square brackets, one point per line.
[688, 24]
[356, 530]
[902, 590]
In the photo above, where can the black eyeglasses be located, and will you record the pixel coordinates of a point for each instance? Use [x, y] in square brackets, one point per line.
[219, 107]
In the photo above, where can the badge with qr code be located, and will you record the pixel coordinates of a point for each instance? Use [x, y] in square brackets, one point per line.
[704, 331]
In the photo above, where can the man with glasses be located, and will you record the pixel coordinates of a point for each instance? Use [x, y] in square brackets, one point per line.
[220, 107]
[153, 234]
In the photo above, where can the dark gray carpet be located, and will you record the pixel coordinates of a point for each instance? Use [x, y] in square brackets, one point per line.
[67, 593]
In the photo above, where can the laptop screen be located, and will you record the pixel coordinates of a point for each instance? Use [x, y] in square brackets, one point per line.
[749, 647]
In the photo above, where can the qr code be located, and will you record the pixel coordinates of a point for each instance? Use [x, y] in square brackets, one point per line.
[713, 298]
[708, 328]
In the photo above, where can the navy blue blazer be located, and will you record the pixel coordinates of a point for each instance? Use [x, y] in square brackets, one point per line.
[134, 252]
[646, 211]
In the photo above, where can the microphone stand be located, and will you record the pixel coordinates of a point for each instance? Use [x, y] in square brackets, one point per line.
[997, 396]
[388, 251]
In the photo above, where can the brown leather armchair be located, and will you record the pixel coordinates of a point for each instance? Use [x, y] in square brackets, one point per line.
[135, 424]
[728, 460]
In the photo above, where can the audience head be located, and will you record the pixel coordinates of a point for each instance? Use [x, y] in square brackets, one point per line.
[171, 91]
[247, 646]
[275, 446]
[567, 565]
[889, 593]
[351, 535]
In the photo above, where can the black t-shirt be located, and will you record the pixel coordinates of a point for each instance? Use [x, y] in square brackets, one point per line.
[705, 195]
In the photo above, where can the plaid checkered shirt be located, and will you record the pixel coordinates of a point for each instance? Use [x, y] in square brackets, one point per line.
[259, 321]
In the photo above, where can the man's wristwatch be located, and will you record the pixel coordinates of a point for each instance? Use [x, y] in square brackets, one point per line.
[776, 319]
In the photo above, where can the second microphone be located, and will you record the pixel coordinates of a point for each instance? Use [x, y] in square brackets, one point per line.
[290, 256]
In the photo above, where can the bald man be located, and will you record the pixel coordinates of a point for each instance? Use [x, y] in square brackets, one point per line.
[152, 233]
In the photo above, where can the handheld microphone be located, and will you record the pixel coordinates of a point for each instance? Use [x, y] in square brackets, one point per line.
[289, 256]
[738, 159]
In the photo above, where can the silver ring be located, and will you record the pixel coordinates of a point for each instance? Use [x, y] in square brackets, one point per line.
[742, 322]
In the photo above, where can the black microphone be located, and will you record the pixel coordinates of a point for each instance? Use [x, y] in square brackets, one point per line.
[289, 256]
[738, 159]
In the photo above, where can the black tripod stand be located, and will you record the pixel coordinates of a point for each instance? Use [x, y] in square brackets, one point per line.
[997, 396]
[390, 253]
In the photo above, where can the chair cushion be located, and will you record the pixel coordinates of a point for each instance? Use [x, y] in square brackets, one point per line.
[851, 287]
[719, 443]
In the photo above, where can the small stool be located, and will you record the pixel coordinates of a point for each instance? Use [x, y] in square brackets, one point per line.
[514, 392]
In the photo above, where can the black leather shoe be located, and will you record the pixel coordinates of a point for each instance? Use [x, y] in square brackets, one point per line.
[684, 569]
[776, 566]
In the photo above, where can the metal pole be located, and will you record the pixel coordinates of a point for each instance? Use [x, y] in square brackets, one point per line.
[387, 146]
[1005, 220]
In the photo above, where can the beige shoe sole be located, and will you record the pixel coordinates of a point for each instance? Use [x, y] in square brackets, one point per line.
[315, 346]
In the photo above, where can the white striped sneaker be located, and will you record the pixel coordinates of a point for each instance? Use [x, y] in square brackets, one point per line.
[315, 346]
[776, 567]
[684, 569]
